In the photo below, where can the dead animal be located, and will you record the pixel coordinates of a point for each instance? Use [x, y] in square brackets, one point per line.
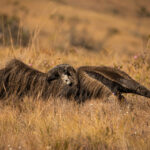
[21, 80]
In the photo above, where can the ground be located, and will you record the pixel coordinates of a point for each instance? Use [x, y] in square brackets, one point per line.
[94, 32]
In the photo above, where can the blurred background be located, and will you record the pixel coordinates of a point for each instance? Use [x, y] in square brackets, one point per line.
[102, 26]
[45, 33]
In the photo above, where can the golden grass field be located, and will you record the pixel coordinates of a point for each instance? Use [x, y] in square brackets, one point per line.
[120, 40]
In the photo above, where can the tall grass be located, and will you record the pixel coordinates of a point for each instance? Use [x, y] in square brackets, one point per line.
[61, 124]
[65, 125]
[58, 124]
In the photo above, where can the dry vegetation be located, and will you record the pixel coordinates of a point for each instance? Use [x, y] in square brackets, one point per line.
[63, 32]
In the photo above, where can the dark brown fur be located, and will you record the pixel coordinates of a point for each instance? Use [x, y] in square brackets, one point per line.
[102, 81]
[21, 80]
[87, 82]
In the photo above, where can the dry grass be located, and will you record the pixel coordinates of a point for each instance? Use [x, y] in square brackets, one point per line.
[64, 125]
[60, 124]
